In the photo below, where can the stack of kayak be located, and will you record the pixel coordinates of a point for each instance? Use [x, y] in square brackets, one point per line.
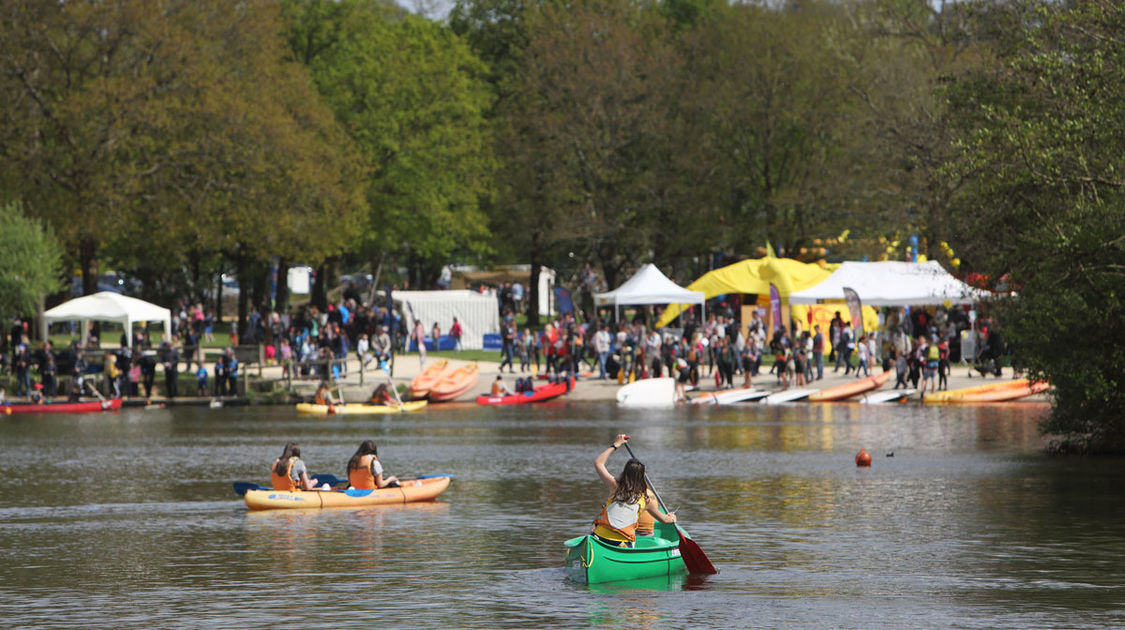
[538, 394]
[994, 392]
[441, 382]
[847, 390]
[414, 490]
[93, 406]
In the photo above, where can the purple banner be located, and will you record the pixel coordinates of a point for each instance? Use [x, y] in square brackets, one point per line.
[775, 306]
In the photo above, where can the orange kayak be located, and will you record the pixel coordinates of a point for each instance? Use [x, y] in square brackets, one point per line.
[410, 492]
[454, 383]
[422, 384]
[847, 390]
[993, 392]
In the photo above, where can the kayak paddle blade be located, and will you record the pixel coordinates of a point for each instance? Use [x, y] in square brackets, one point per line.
[694, 558]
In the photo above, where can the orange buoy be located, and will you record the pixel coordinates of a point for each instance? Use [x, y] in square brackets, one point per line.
[863, 458]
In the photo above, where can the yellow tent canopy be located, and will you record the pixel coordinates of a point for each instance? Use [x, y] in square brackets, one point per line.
[753, 276]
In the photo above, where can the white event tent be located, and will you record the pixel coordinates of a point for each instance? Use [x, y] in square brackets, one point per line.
[478, 314]
[891, 283]
[107, 306]
[648, 286]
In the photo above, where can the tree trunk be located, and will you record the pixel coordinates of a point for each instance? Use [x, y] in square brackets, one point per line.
[87, 255]
[533, 295]
[243, 293]
[319, 296]
[281, 296]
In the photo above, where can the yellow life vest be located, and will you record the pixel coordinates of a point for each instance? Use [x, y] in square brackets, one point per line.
[283, 482]
[933, 353]
[618, 520]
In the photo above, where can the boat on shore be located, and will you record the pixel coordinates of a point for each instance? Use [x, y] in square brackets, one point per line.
[360, 409]
[992, 392]
[589, 560]
[848, 390]
[422, 384]
[411, 491]
[892, 395]
[730, 396]
[787, 395]
[649, 392]
[454, 383]
[91, 406]
[541, 393]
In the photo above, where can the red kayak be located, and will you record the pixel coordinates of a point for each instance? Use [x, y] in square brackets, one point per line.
[112, 404]
[539, 394]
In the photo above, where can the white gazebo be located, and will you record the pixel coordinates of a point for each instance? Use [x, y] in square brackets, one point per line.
[648, 286]
[891, 283]
[107, 306]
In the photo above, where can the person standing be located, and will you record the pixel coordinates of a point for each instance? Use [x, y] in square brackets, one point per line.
[507, 344]
[148, 373]
[818, 352]
[418, 335]
[170, 358]
[435, 336]
[232, 372]
[601, 349]
[861, 352]
[455, 331]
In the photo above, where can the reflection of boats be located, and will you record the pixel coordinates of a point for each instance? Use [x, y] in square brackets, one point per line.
[730, 396]
[591, 561]
[887, 396]
[994, 392]
[650, 392]
[539, 394]
[323, 410]
[112, 404]
[787, 395]
[415, 490]
[847, 390]
[454, 383]
[422, 384]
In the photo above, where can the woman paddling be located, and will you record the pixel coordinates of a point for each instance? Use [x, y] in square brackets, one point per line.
[288, 472]
[364, 470]
[629, 498]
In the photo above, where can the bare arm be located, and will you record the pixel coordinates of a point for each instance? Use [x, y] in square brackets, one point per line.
[653, 508]
[599, 464]
[306, 483]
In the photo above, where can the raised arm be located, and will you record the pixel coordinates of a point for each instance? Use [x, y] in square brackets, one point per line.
[599, 464]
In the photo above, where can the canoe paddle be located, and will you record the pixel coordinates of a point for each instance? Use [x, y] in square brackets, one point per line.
[694, 558]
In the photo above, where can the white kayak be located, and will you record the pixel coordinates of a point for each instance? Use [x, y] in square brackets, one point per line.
[650, 392]
[730, 396]
[876, 398]
[787, 395]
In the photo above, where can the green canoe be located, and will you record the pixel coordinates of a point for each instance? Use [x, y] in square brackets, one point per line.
[591, 561]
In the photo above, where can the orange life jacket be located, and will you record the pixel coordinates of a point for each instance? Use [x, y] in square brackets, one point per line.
[497, 388]
[618, 521]
[321, 399]
[361, 478]
[283, 482]
[646, 524]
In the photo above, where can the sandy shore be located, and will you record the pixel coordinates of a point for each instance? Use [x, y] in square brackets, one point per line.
[592, 389]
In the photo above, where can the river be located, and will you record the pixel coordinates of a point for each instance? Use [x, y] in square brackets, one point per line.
[128, 520]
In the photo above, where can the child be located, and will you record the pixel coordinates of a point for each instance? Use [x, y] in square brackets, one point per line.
[900, 369]
[201, 381]
[861, 353]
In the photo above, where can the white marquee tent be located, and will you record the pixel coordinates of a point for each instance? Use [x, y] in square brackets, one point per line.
[891, 283]
[478, 314]
[107, 306]
[648, 286]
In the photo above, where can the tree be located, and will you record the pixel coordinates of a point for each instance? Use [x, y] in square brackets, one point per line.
[412, 96]
[1039, 133]
[31, 266]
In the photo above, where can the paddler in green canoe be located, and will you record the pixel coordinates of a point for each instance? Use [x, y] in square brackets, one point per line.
[629, 499]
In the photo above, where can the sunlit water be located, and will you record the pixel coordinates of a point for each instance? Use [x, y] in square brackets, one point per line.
[128, 520]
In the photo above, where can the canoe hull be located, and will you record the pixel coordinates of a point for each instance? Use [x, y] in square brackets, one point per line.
[591, 561]
[410, 492]
[847, 390]
[730, 396]
[539, 394]
[993, 392]
[360, 410]
[422, 384]
[112, 404]
[787, 395]
[650, 392]
[455, 383]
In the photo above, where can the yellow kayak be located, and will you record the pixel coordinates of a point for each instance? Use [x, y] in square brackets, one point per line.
[422, 489]
[354, 409]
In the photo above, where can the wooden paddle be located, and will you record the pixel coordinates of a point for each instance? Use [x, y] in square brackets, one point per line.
[694, 558]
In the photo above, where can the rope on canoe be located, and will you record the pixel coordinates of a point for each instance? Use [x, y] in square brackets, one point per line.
[589, 554]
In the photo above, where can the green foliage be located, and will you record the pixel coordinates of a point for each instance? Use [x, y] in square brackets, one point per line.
[1041, 136]
[31, 265]
[413, 97]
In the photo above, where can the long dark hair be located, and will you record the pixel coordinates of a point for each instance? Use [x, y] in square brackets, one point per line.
[282, 465]
[366, 448]
[631, 484]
